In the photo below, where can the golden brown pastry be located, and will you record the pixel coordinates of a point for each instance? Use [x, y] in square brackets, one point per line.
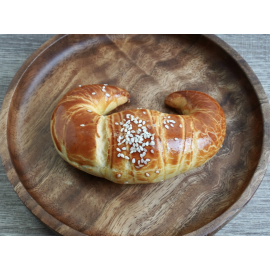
[136, 146]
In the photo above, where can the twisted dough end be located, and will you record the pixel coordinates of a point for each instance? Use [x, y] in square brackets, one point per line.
[139, 145]
[206, 118]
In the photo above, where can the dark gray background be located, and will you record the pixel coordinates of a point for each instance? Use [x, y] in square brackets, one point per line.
[16, 219]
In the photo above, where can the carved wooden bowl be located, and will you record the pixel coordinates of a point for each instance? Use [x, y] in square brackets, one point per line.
[71, 202]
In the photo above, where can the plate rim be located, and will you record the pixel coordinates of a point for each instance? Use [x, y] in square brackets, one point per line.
[210, 228]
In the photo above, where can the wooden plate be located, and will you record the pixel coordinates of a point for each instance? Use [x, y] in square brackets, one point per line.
[71, 202]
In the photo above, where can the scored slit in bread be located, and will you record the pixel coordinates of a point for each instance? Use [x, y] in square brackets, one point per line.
[136, 146]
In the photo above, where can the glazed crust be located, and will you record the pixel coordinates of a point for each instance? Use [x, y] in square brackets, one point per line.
[89, 140]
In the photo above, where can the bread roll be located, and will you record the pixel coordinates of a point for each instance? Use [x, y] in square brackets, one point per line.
[136, 146]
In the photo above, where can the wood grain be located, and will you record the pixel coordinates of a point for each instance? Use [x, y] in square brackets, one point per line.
[216, 186]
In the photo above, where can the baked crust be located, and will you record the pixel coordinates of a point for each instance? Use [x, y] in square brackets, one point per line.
[89, 140]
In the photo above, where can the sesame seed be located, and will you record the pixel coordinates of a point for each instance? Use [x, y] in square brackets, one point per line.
[133, 160]
[122, 155]
[176, 139]
[169, 117]
[171, 125]
[82, 125]
[80, 86]
[152, 151]
[147, 174]
[138, 167]
[89, 110]
[147, 160]
[121, 123]
[103, 90]
[164, 122]
[138, 141]
[118, 149]
[118, 175]
[180, 126]
[105, 84]
[107, 95]
[119, 155]
[93, 93]
[144, 112]
[126, 182]
[116, 123]
[124, 148]
[161, 180]
[166, 127]
[157, 171]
